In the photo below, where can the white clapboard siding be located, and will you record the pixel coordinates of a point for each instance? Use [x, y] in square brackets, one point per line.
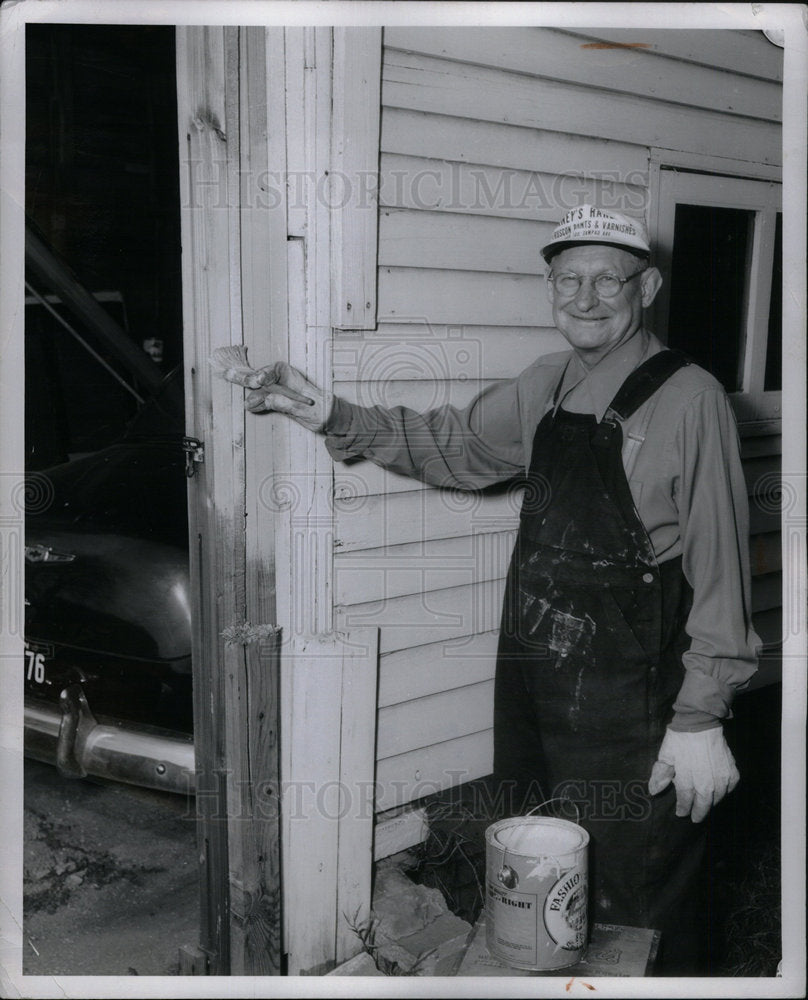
[364, 478]
[428, 550]
[411, 517]
[484, 555]
[389, 582]
[435, 719]
[417, 568]
[428, 387]
[423, 83]
[467, 242]
[443, 136]
[438, 616]
[488, 351]
[462, 297]
[475, 189]
[441, 666]
[747, 52]
[556, 55]
[431, 769]
[487, 136]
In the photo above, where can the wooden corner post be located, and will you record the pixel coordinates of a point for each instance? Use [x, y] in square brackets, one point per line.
[235, 644]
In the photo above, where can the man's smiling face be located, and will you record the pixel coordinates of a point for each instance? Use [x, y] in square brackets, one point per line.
[595, 325]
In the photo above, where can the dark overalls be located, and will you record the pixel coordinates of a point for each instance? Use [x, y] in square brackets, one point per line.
[590, 662]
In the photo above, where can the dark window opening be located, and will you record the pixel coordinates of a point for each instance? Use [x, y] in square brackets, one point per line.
[709, 275]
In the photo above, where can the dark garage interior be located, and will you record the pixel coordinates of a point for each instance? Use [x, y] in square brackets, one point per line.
[102, 190]
[110, 882]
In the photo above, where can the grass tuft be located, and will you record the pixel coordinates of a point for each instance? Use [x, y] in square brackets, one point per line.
[753, 927]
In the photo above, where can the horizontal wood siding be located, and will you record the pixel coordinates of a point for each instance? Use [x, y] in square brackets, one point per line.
[462, 297]
[431, 769]
[398, 518]
[458, 141]
[442, 241]
[422, 722]
[762, 466]
[424, 83]
[487, 137]
[564, 57]
[424, 183]
[422, 351]
[742, 52]
[424, 670]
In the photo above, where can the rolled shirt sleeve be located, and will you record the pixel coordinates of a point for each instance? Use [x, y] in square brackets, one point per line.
[466, 448]
[714, 524]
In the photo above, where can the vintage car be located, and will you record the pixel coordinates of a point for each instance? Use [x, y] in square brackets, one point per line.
[107, 616]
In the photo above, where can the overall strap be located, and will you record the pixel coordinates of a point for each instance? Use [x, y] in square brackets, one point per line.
[638, 388]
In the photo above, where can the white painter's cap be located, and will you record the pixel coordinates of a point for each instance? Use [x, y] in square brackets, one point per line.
[588, 224]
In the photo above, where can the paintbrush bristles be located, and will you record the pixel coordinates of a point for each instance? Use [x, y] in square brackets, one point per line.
[234, 356]
[230, 363]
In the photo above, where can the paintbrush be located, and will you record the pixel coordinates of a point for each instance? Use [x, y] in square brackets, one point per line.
[230, 363]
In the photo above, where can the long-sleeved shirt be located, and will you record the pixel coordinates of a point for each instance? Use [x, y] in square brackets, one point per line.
[687, 484]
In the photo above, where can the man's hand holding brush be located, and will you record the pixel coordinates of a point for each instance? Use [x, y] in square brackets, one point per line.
[276, 388]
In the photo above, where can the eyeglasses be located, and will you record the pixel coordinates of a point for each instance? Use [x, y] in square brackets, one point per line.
[606, 285]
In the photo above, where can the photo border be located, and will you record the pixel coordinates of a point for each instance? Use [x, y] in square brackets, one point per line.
[788, 18]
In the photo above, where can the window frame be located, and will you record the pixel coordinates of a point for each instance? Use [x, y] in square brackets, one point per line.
[708, 182]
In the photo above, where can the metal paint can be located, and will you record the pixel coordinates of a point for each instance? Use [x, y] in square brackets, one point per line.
[536, 892]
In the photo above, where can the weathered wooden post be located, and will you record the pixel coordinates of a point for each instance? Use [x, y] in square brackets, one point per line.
[236, 665]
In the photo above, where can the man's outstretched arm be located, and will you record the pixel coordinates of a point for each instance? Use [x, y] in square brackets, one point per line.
[463, 448]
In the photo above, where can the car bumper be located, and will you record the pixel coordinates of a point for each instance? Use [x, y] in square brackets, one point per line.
[69, 736]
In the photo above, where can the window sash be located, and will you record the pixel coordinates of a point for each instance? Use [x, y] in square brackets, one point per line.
[759, 196]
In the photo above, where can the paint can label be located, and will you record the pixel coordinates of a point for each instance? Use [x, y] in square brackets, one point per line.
[565, 910]
[513, 917]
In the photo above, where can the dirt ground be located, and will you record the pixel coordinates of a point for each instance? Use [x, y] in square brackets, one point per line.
[110, 878]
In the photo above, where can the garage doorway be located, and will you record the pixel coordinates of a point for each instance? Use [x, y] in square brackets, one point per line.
[108, 648]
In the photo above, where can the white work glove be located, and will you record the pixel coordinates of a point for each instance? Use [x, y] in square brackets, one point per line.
[285, 390]
[701, 767]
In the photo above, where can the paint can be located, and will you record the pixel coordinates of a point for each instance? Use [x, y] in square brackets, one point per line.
[536, 892]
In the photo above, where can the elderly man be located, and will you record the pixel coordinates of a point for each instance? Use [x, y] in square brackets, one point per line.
[626, 629]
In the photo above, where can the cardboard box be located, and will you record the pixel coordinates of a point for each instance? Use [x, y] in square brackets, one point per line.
[613, 950]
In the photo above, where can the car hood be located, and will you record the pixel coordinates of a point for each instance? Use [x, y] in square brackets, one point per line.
[107, 592]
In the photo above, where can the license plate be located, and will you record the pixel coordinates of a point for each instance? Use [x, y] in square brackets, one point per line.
[36, 661]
